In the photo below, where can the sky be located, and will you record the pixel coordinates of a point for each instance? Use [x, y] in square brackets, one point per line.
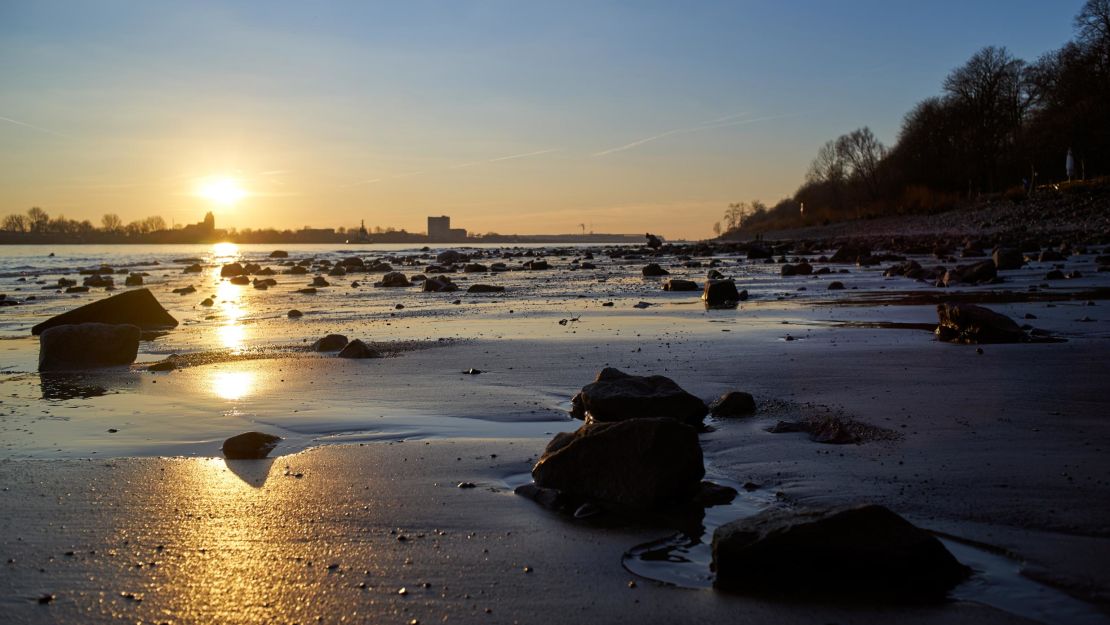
[509, 116]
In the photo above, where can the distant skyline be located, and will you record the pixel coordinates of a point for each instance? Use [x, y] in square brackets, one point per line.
[509, 117]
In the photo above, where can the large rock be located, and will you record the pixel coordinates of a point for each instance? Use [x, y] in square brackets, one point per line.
[979, 273]
[677, 284]
[639, 464]
[617, 396]
[968, 323]
[250, 446]
[653, 270]
[136, 307]
[733, 404]
[394, 279]
[863, 550]
[850, 254]
[439, 284]
[450, 257]
[232, 270]
[722, 293]
[358, 349]
[330, 343]
[87, 346]
[801, 269]
[1007, 258]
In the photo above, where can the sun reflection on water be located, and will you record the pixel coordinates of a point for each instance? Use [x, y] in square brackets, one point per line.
[225, 252]
[231, 332]
[232, 385]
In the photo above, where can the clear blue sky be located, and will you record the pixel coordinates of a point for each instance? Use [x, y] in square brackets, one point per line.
[510, 116]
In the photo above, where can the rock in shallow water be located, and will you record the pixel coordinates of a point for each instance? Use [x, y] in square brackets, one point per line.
[722, 293]
[617, 396]
[968, 323]
[87, 346]
[250, 446]
[865, 550]
[638, 464]
[733, 404]
[138, 307]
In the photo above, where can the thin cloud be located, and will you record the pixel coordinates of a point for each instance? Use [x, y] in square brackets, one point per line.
[723, 122]
[33, 127]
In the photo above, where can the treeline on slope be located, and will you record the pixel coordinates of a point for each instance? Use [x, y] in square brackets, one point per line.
[1001, 126]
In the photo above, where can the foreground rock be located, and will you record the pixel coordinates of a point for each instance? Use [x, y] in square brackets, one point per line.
[394, 279]
[358, 349]
[617, 396]
[676, 284]
[138, 307]
[87, 346]
[640, 464]
[733, 404]
[330, 343]
[863, 550]
[250, 446]
[439, 284]
[968, 323]
[722, 293]
[979, 273]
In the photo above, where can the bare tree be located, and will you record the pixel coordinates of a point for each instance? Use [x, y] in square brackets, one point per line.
[717, 228]
[828, 166]
[154, 224]
[111, 222]
[37, 219]
[1092, 26]
[860, 153]
[14, 223]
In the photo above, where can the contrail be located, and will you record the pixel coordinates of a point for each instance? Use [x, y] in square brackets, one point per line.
[504, 158]
[719, 123]
[38, 128]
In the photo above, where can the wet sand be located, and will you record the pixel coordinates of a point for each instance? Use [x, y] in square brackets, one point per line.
[1006, 448]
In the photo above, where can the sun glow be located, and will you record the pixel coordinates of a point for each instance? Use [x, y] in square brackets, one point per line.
[222, 190]
[232, 385]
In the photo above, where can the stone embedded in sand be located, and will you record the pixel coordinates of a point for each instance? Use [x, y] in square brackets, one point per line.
[87, 346]
[250, 446]
[617, 396]
[357, 349]
[537, 265]
[968, 323]
[979, 273]
[330, 343]
[485, 288]
[474, 268]
[185, 290]
[138, 307]
[135, 279]
[676, 284]
[733, 404]
[639, 464]
[836, 285]
[1007, 258]
[653, 270]
[439, 284]
[722, 293]
[801, 269]
[319, 281]
[294, 314]
[194, 268]
[863, 550]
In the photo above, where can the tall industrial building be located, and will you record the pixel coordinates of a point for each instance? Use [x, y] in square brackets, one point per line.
[440, 230]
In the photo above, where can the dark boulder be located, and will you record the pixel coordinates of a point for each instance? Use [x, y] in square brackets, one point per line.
[617, 396]
[87, 346]
[240, 280]
[863, 551]
[250, 446]
[185, 290]
[979, 273]
[485, 288]
[640, 464]
[439, 284]
[757, 252]
[394, 279]
[851, 254]
[653, 270]
[675, 284]
[319, 281]
[968, 323]
[450, 257]
[836, 285]
[801, 269]
[138, 307]
[295, 314]
[1007, 258]
[653, 241]
[330, 343]
[474, 268]
[279, 254]
[722, 293]
[234, 269]
[537, 265]
[135, 279]
[733, 404]
[358, 349]
[194, 268]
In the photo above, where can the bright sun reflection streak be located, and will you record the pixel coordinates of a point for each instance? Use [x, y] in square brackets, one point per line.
[231, 332]
[225, 251]
[232, 385]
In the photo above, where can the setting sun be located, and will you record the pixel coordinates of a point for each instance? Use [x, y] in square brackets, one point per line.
[223, 190]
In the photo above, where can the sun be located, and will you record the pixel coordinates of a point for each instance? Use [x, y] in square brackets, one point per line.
[222, 190]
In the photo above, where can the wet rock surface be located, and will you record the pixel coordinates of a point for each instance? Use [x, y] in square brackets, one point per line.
[87, 346]
[138, 307]
[862, 551]
[968, 323]
[250, 446]
[618, 396]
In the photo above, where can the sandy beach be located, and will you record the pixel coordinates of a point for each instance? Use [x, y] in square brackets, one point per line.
[1002, 453]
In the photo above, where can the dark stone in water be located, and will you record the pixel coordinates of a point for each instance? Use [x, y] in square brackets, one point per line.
[138, 307]
[733, 404]
[250, 446]
[968, 323]
[722, 293]
[639, 464]
[862, 551]
[87, 346]
[617, 396]
[654, 270]
[676, 284]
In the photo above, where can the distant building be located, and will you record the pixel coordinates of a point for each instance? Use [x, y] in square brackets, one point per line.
[440, 230]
